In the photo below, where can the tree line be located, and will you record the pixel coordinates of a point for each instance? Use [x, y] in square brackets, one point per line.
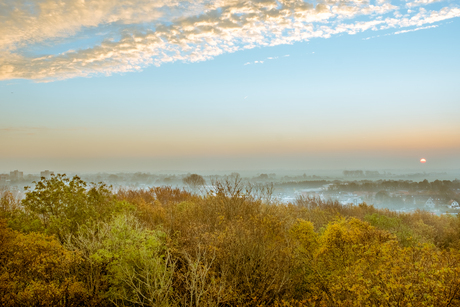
[394, 185]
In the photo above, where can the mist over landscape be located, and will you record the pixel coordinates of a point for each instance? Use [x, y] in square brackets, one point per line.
[399, 190]
[218, 153]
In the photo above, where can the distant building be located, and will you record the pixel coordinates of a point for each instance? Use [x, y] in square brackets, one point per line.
[454, 204]
[430, 203]
[350, 199]
[357, 173]
[46, 174]
[372, 174]
[16, 175]
[4, 178]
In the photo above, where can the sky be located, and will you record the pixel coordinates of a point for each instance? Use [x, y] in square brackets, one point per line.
[138, 85]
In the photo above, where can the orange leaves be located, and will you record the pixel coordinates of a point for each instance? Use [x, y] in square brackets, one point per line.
[35, 266]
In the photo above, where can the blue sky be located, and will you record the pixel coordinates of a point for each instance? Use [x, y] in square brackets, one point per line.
[377, 98]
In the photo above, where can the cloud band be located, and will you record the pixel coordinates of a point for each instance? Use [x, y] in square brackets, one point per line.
[142, 33]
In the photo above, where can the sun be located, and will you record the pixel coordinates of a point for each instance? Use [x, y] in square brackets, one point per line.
[422, 160]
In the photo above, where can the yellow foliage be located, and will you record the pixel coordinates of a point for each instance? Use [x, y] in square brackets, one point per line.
[36, 270]
[227, 248]
[357, 265]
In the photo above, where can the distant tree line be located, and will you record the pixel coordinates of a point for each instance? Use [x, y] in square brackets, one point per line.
[360, 173]
[393, 185]
[303, 184]
[445, 189]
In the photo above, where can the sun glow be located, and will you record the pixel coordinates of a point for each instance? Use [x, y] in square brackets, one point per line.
[422, 160]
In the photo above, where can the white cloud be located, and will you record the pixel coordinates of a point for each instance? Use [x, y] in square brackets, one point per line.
[26, 22]
[157, 32]
[371, 37]
[261, 62]
[420, 2]
[416, 29]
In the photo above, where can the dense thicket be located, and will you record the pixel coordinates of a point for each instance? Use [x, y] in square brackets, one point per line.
[69, 243]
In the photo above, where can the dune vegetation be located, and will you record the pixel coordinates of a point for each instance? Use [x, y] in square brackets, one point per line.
[72, 243]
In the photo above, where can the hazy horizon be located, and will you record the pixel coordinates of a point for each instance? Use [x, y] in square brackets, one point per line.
[219, 166]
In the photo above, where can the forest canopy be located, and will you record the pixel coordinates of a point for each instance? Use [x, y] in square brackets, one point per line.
[73, 243]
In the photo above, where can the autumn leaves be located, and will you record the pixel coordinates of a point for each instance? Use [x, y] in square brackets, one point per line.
[69, 243]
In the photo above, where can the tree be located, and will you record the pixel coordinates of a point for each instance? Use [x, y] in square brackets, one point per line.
[136, 262]
[382, 196]
[62, 204]
[194, 181]
[352, 263]
[36, 270]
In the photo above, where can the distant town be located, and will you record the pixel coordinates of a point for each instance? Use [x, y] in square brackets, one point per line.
[395, 191]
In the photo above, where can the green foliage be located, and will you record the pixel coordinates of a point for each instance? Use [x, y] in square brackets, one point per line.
[125, 260]
[17, 218]
[63, 204]
[394, 225]
[408, 234]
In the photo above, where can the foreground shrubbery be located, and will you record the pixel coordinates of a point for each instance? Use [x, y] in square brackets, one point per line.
[72, 244]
